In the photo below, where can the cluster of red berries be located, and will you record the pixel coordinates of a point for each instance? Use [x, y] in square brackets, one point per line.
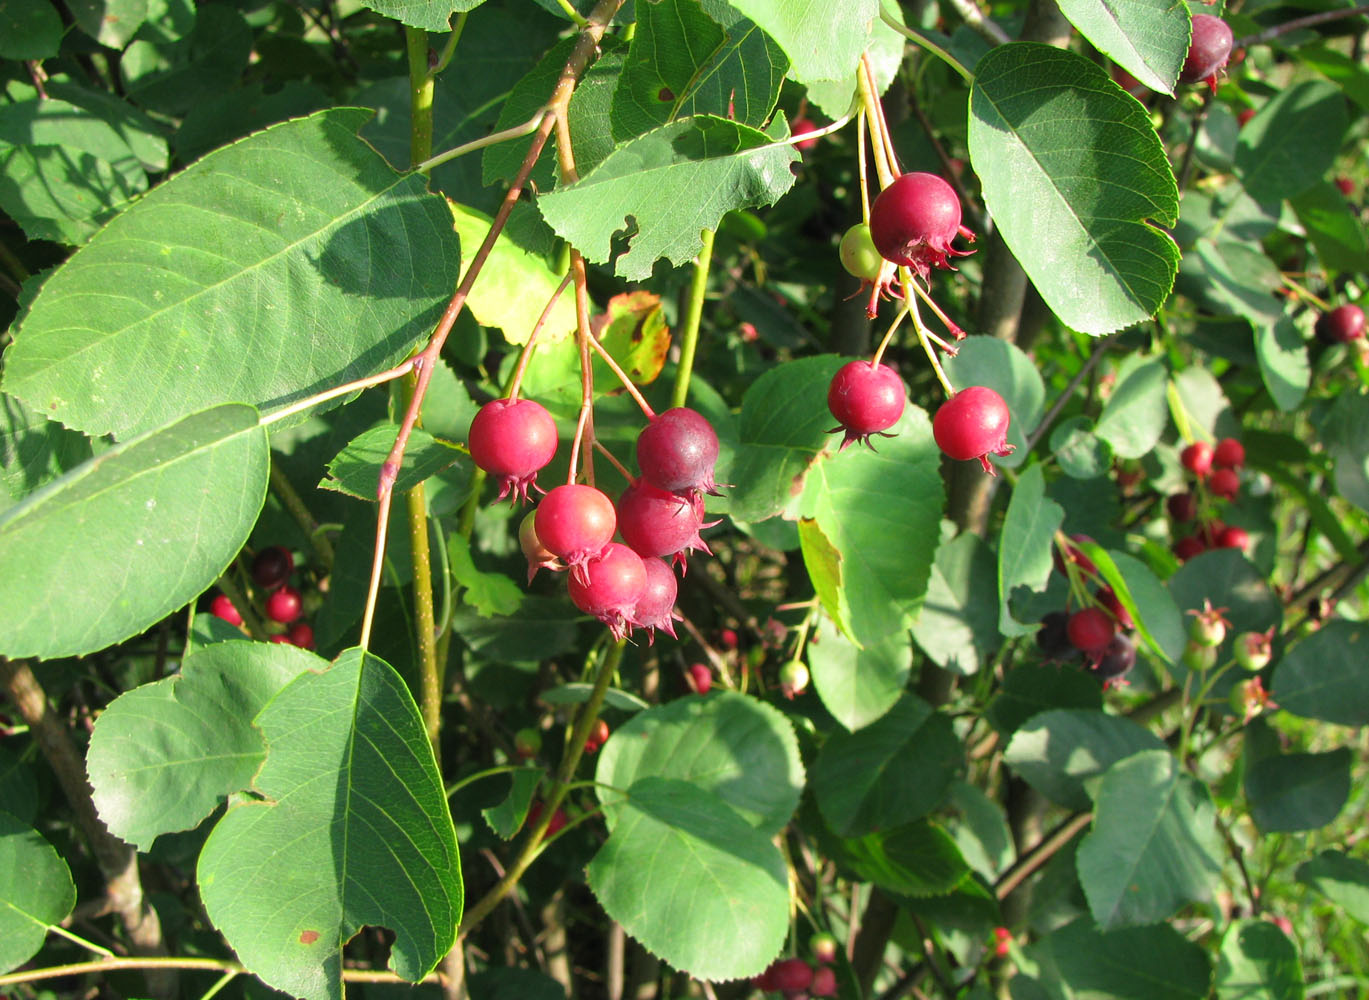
[1217, 480]
[797, 978]
[283, 604]
[626, 584]
[1096, 633]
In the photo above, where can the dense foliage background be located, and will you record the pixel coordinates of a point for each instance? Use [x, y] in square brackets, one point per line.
[226, 228]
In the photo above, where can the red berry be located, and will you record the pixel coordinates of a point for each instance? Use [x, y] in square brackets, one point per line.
[1182, 507]
[802, 126]
[655, 609]
[1127, 82]
[1346, 186]
[558, 818]
[280, 637]
[302, 635]
[272, 567]
[575, 522]
[973, 424]
[824, 983]
[613, 582]
[866, 399]
[1108, 598]
[1224, 483]
[284, 606]
[1188, 547]
[222, 607]
[1244, 115]
[1341, 325]
[790, 975]
[657, 522]
[727, 639]
[1090, 629]
[1233, 537]
[913, 221]
[1075, 555]
[513, 441]
[598, 736]
[1197, 458]
[699, 678]
[1229, 454]
[677, 451]
[1208, 50]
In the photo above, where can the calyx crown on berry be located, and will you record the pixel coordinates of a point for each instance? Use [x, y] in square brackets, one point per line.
[973, 424]
[913, 221]
[513, 440]
[866, 399]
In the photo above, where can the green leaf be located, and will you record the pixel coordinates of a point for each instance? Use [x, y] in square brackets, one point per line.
[18, 789]
[1158, 620]
[1151, 849]
[1322, 677]
[1077, 182]
[674, 183]
[957, 625]
[578, 693]
[126, 538]
[729, 746]
[683, 62]
[720, 909]
[1148, 39]
[1333, 227]
[1057, 751]
[64, 194]
[1258, 960]
[163, 756]
[1006, 369]
[1137, 412]
[259, 252]
[1290, 793]
[868, 505]
[353, 828]
[489, 593]
[507, 818]
[858, 685]
[1284, 365]
[33, 450]
[1024, 547]
[36, 891]
[823, 42]
[1240, 279]
[1292, 141]
[172, 75]
[355, 470]
[782, 431]
[1032, 688]
[428, 15]
[29, 29]
[862, 780]
[980, 830]
[634, 333]
[1082, 454]
[1346, 434]
[884, 53]
[823, 561]
[109, 22]
[918, 859]
[1341, 879]
[1133, 963]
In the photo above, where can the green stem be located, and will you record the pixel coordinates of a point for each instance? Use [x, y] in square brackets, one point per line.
[294, 503]
[926, 42]
[689, 337]
[449, 49]
[421, 86]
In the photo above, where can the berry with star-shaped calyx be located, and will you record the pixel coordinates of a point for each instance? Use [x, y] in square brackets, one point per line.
[513, 440]
[866, 399]
[973, 424]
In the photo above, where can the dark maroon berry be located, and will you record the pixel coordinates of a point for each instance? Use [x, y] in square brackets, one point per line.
[790, 975]
[1183, 507]
[284, 605]
[1197, 458]
[1341, 325]
[824, 983]
[512, 441]
[1089, 629]
[913, 221]
[866, 399]
[973, 424]
[302, 635]
[1119, 656]
[610, 587]
[222, 607]
[575, 522]
[1188, 547]
[1208, 50]
[677, 451]
[1224, 483]
[656, 522]
[655, 609]
[1229, 454]
[272, 567]
[1052, 638]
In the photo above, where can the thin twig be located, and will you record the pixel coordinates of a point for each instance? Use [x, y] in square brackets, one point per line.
[1269, 34]
[1036, 857]
[1090, 363]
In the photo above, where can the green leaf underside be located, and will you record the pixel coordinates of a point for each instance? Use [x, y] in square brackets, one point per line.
[673, 183]
[298, 248]
[1322, 677]
[1147, 38]
[36, 891]
[354, 829]
[129, 536]
[823, 41]
[1150, 851]
[507, 818]
[726, 744]
[355, 470]
[692, 881]
[958, 622]
[1024, 548]
[1057, 750]
[1076, 180]
[164, 755]
[858, 685]
[429, 15]
[1258, 960]
[1136, 963]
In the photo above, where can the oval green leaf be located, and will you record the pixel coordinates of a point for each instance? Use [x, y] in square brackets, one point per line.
[36, 891]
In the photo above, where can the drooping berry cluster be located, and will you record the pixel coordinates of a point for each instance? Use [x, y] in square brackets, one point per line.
[797, 977]
[1097, 632]
[1217, 481]
[281, 603]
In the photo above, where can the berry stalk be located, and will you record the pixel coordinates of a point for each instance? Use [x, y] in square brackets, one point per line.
[689, 336]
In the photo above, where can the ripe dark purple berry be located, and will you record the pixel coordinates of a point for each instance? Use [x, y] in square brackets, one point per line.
[610, 587]
[1182, 506]
[575, 522]
[656, 522]
[1119, 656]
[1341, 325]
[513, 440]
[677, 451]
[913, 221]
[1208, 50]
[655, 609]
[866, 399]
[272, 567]
[973, 424]
[1052, 638]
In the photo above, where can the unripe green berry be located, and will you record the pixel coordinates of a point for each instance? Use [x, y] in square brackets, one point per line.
[793, 678]
[527, 743]
[858, 253]
[1199, 658]
[1253, 650]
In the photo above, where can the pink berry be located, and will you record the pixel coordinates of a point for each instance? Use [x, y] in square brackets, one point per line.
[513, 441]
[1341, 325]
[1229, 454]
[575, 522]
[727, 639]
[1208, 50]
[222, 607]
[272, 567]
[677, 451]
[866, 399]
[1108, 598]
[302, 635]
[824, 983]
[284, 605]
[1233, 537]
[1224, 483]
[802, 126]
[790, 975]
[655, 609]
[1197, 458]
[973, 424]
[612, 584]
[914, 220]
[1182, 507]
[656, 522]
[1090, 629]
[1244, 115]
[699, 678]
[598, 736]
